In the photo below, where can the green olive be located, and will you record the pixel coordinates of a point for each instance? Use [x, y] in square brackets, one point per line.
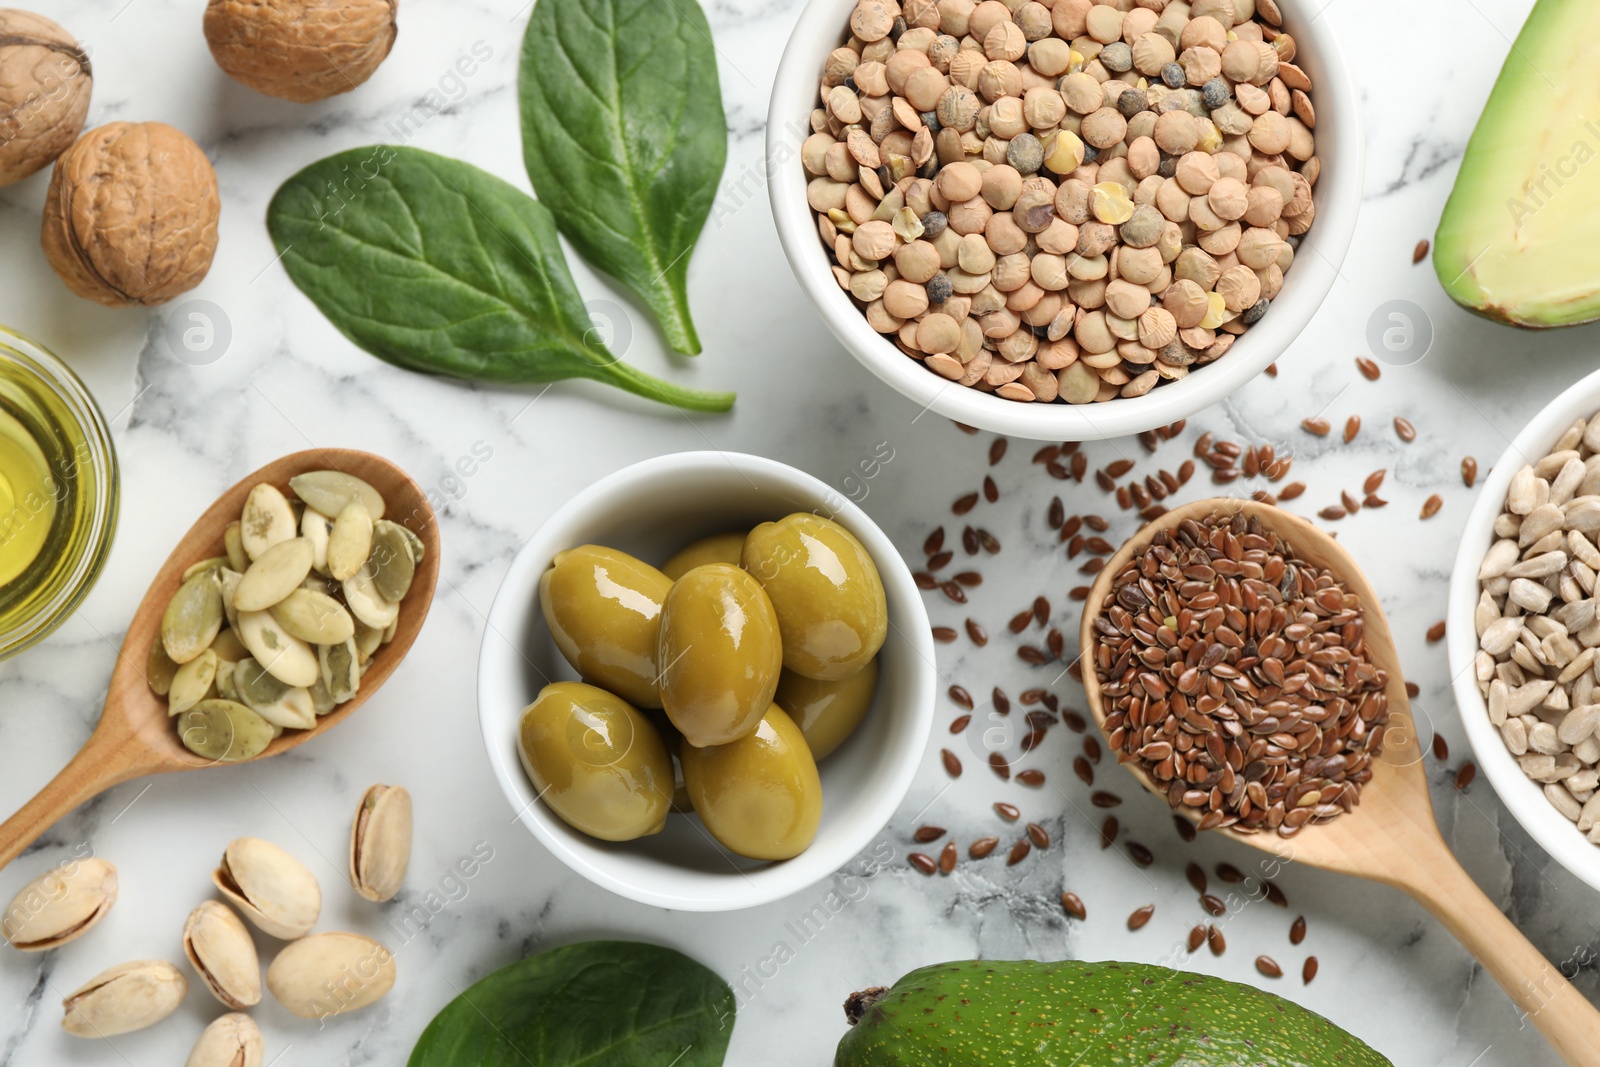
[720, 654]
[603, 608]
[718, 548]
[827, 712]
[760, 796]
[597, 762]
[826, 591]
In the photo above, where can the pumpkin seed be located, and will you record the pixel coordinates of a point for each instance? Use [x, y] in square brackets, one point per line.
[392, 564]
[321, 699]
[278, 572]
[267, 520]
[330, 492]
[192, 683]
[350, 543]
[419, 551]
[394, 628]
[228, 647]
[281, 705]
[315, 527]
[368, 641]
[205, 565]
[255, 685]
[341, 670]
[224, 681]
[224, 731]
[159, 668]
[233, 544]
[314, 617]
[230, 580]
[366, 603]
[288, 658]
[194, 617]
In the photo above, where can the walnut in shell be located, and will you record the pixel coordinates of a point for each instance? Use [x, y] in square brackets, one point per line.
[300, 50]
[45, 81]
[131, 216]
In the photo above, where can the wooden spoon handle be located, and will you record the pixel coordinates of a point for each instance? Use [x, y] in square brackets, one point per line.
[102, 763]
[1559, 1012]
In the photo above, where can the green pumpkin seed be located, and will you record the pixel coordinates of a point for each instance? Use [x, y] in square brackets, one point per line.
[255, 685]
[394, 628]
[321, 699]
[230, 580]
[292, 711]
[316, 527]
[350, 543]
[228, 647]
[419, 551]
[287, 658]
[341, 670]
[330, 492]
[367, 604]
[368, 638]
[314, 617]
[194, 617]
[267, 520]
[205, 565]
[233, 544]
[192, 683]
[159, 668]
[224, 731]
[392, 564]
[277, 573]
[225, 687]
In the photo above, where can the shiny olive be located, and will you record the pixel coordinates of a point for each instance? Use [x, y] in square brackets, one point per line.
[718, 548]
[760, 796]
[603, 608]
[720, 654]
[597, 761]
[826, 591]
[827, 712]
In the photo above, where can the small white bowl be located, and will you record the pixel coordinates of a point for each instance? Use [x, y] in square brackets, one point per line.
[1341, 146]
[1524, 797]
[651, 510]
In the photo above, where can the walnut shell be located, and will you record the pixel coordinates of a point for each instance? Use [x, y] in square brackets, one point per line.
[300, 50]
[45, 82]
[131, 216]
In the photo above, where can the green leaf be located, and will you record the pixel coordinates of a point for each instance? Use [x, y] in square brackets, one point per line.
[598, 1004]
[625, 139]
[437, 266]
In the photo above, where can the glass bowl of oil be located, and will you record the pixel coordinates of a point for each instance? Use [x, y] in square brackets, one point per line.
[58, 492]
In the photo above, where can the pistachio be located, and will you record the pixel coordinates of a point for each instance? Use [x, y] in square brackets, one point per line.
[228, 647]
[350, 543]
[289, 659]
[128, 997]
[223, 955]
[392, 563]
[330, 491]
[281, 705]
[366, 603]
[233, 1040]
[341, 669]
[233, 544]
[314, 617]
[204, 565]
[316, 528]
[193, 618]
[380, 842]
[271, 888]
[192, 683]
[60, 905]
[329, 974]
[277, 573]
[224, 731]
[159, 669]
[267, 520]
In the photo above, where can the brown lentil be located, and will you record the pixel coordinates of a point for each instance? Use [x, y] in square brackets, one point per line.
[1269, 967]
[1072, 904]
[1141, 916]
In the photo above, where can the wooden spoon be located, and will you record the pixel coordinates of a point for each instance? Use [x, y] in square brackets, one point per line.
[1391, 837]
[135, 737]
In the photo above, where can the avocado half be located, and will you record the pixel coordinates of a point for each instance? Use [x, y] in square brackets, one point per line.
[1518, 237]
[988, 1013]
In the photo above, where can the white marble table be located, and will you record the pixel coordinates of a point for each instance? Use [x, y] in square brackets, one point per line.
[287, 381]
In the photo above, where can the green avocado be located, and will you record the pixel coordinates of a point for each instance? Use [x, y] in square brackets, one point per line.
[1516, 243]
[986, 1013]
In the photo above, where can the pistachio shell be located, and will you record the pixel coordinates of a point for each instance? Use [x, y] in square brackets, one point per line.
[267, 520]
[380, 842]
[223, 955]
[60, 905]
[392, 564]
[228, 647]
[233, 545]
[367, 604]
[330, 491]
[350, 543]
[316, 528]
[193, 618]
[224, 731]
[329, 974]
[289, 659]
[159, 668]
[341, 669]
[128, 997]
[205, 565]
[314, 617]
[271, 888]
[277, 573]
[233, 1040]
[192, 682]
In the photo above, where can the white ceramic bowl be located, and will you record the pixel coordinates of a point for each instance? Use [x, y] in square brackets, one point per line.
[1338, 196]
[1524, 797]
[651, 510]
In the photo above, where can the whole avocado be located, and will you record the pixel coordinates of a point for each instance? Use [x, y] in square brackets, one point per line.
[988, 1013]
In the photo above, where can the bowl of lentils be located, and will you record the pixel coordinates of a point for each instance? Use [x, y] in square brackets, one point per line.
[1064, 220]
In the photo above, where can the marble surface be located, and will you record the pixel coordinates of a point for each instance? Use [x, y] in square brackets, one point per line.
[186, 429]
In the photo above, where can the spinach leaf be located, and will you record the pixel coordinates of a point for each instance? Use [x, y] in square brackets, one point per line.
[437, 266]
[624, 138]
[598, 1003]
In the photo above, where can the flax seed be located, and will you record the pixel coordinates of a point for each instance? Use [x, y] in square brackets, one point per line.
[1019, 621]
[1105, 481]
[1373, 500]
[1091, 748]
[944, 634]
[1272, 370]
[1431, 506]
[1374, 480]
[1041, 610]
[1418, 254]
[1018, 853]
[1141, 916]
[1469, 471]
[1292, 490]
[1405, 430]
[1332, 513]
[925, 581]
[1080, 466]
[965, 504]
[952, 763]
[1436, 632]
[1196, 875]
[1465, 774]
[1124, 498]
[977, 633]
[925, 834]
[1369, 368]
[1351, 504]
[1319, 427]
[1441, 748]
[1039, 836]
[997, 450]
[1309, 970]
[1031, 777]
[934, 542]
[1150, 439]
[970, 579]
[1413, 690]
[960, 723]
[998, 764]
[940, 560]
[1274, 894]
[1352, 426]
[982, 847]
[1047, 454]
[1229, 873]
[1076, 723]
[1297, 930]
[964, 428]
[1269, 967]
[1079, 593]
[1108, 831]
[1185, 828]
[1102, 799]
[1185, 472]
[1057, 514]
[1140, 855]
[960, 697]
[923, 862]
[1197, 937]
[1001, 702]
[1008, 812]
[990, 543]
[991, 491]
[969, 541]
[1072, 904]
[1081, 768]
[1214, 938]
[953, 591]
[948, 857]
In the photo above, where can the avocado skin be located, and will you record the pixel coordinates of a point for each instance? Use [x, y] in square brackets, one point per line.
[998, 1013]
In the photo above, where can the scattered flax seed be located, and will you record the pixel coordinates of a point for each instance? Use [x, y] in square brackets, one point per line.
[1441, 748]
[1034, 655]
[934, 542]
[960, 697]
[1413, 690]
[1018, 853]
[1081, 768]
[1436, 632]
[1369, 368]
[1091, 748]
[964, 428]
[997, 450]
[1141, 916]
[1197, 937]
[1292, 490]
[926, 834]
[1419, 253]
[1080, 466]
[1373, 500]
[977, 633]
[998, 764]
[1102, 799]
[1185, 828]
[1309, 970]
[960, 724]
[1213, 904]
[1314, 426]
[1431, 506]
[1108, 831]
[1038, 835]
[1001, 702]
[982, 847]
[1140, 855]
[1374, 480]
[1269, 967]
[925, 580]
[944, 634]
[952, 763]
[1007, 812]
[1073, 906]
[1019, 621]
[1057, 514]
[1048, 454]
[1229, 873]
[1274, 894]
[1214, 938]
[1041, 610]
[940, 560]
[1297, 930]
[1196, 875]
[1351, 504]
[1405, 430]
[1352, 426]
[1031, 777]
[1118, 467]
[1465, 774]
[965, 504]
[991, 491]
[1469, 471]
[947, 857]
[923, 862]
[1332, 513]
[1272, 370]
